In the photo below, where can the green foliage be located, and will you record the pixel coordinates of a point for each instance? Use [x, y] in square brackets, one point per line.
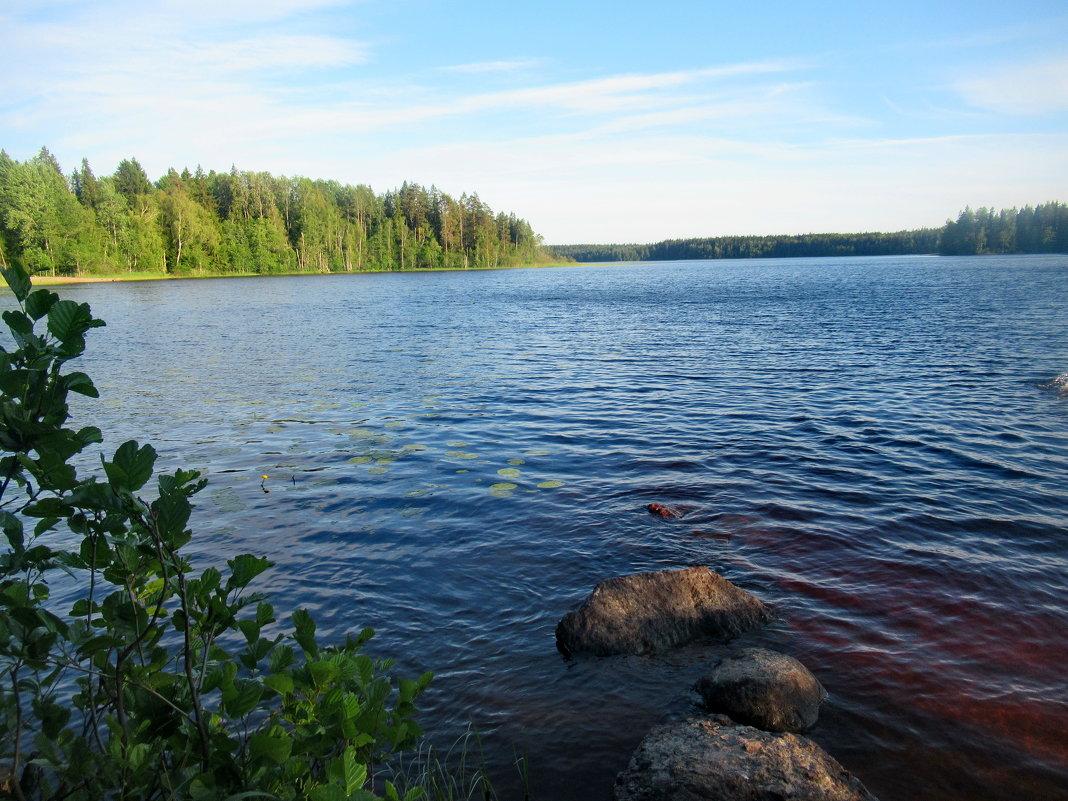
[160, 681]
[1039, 229]
[1042, 229]
[242, 222]
[921, 241]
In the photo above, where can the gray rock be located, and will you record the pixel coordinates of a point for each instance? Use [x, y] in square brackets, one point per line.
[712, 758]
[763, 688]
[649, 612]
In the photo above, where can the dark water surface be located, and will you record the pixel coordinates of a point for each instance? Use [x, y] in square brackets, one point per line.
[864, 444]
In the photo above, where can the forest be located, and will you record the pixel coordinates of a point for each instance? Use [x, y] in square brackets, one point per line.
[1038, 229]
[195, 223]
[239, 222]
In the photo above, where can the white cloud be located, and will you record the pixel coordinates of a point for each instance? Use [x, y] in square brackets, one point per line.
[1036, 88]
[495, 66]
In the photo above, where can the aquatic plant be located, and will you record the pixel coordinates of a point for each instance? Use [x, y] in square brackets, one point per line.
[159, 681]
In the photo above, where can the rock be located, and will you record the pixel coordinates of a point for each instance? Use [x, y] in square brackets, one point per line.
[763, 688]
[663, 511]
[649, 612]
[1060, 384]
[712, 758]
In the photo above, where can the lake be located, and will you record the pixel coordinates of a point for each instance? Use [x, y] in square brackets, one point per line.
[455, 459]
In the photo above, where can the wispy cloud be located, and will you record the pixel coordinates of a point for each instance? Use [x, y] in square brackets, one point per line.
[327, 88]
[495, 66]
[1035, 88]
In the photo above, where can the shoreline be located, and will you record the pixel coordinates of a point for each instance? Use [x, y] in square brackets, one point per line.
[111, 278]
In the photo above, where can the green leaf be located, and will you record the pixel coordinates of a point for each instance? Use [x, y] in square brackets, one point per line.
[322, 673]
[39, 302]
[348, 772]
[131, 467]
[89, 435]
[172, 510]
[12, 527]
[48, 507]
[18, 322]
[304, 632]
[250, 629]
[18, 280]
[80, 383]
[328, 792]
[281, 683]
[275, 748]
[243, 698]
[68, 320]
[264, 613]
[244, 568]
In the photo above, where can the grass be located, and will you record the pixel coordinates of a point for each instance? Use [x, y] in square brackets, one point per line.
[458, 774]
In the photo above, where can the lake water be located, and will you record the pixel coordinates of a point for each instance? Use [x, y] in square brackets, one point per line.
[457, 458]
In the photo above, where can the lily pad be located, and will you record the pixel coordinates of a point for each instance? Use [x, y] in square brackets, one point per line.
[508, 472]
[394, 424]
[377, 471]
[461, 455]
[361, 459]
[415, 446]
[550, 484]
[535, 452]
[226, 500]
[517, 461]
[360, 433]
[456, 443]
[503, 486]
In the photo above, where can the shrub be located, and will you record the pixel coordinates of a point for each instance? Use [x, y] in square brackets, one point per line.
[159, 682]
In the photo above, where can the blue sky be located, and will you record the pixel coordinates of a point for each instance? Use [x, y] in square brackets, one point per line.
[596, 121]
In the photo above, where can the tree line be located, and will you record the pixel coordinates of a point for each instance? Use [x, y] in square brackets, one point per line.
[241, 222]
[1038, 229]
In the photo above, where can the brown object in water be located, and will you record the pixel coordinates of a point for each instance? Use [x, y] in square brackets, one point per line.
[663, 511]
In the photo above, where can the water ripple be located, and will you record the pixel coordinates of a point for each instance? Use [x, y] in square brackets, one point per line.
[878, 448]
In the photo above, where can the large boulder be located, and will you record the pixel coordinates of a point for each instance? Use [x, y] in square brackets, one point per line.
[763, 688]
[713, 758]
[649, 612]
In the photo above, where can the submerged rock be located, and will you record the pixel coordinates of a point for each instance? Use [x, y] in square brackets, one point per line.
[713, 758]
[765, 689]
[663, 511]
[648, 612]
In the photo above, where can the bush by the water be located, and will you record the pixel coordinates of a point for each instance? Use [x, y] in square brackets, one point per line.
[159, 681]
